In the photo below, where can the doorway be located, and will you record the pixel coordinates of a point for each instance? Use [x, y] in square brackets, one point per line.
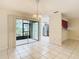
[26, 31]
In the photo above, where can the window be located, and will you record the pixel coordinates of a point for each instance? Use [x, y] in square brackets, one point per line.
[18, 27]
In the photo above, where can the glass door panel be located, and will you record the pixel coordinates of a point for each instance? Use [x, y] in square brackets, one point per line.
[18, 29]
[26, 30]
[35, 31]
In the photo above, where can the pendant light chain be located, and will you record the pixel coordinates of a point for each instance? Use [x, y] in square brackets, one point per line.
[36, 15]
[37, 4]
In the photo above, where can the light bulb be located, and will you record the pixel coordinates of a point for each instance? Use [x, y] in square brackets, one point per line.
[34, 15]
[39, 16]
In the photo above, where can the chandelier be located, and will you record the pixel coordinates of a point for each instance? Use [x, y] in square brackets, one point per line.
[36, 15]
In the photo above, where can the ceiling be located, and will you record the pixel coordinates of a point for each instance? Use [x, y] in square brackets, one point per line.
[68, 7]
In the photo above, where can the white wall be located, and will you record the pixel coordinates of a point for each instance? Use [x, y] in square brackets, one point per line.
[55, 28]
[3, 32]
[65, 31]
[12, 31]
[74, 29]
[64, 34]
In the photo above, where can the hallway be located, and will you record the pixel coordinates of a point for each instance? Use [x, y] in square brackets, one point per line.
[43, 49]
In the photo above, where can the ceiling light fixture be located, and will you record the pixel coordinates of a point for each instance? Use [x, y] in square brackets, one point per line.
[36, 14]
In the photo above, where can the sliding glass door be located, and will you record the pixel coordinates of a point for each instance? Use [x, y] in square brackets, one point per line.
[27, 29]
[35, 30]
[22, 29]
[19, 29]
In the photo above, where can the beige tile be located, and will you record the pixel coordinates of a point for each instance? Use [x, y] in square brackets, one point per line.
[43, 49]
[4, 56]
[36, 55]
[27, 57]
[74, 57]
[49, 56]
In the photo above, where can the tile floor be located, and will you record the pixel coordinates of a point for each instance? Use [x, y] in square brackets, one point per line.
[43, 49]
[24, 41]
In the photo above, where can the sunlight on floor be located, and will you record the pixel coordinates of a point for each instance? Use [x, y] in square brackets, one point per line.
[24, 41]
[43, 49]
